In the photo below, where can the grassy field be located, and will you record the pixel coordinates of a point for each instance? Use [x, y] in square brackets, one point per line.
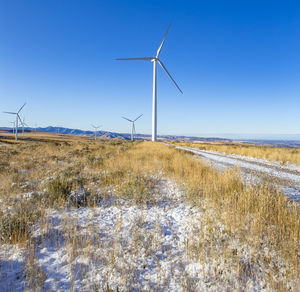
[280, 154]
[54, 189]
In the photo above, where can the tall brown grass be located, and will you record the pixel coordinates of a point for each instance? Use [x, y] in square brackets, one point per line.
[254, 214]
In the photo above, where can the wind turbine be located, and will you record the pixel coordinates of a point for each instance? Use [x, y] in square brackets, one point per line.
[133, 126]
[155, 60]
[13, 126]
[23, 124]
[17, 118]
[96, 128]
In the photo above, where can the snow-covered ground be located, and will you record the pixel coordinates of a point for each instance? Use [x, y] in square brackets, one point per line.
[163, 244]
[286, 177]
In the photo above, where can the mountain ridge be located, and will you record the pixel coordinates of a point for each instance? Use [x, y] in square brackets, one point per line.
[115, 135]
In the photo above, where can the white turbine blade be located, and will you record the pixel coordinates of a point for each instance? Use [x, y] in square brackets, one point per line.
[138, 59]
[163, 41]
[10, 113]
[19, 119]
[162, 65]
[137, 118]
[21, 107]
[127, 119]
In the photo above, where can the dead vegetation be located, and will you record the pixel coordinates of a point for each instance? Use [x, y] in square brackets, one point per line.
[57, 175]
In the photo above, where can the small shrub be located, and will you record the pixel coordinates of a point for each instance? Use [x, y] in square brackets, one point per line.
[137, 187]
[4, 166]
[58, 190]
[15, 226]
[94, 160]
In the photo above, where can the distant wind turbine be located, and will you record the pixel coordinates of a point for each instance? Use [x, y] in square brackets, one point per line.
[23, 124]
[133, 125]
[155, 60]
[96, 130]
[13, 126]
[17, 118]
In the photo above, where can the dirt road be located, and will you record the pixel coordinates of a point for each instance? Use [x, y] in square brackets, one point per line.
[286, 177]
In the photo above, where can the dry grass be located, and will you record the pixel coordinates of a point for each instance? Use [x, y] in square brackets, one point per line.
[256, 217]
[47, 172]
[254, 214]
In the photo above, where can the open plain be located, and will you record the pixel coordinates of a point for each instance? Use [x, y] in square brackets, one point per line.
[108, 215]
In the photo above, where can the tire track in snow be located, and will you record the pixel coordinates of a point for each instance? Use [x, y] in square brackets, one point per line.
[287, 178]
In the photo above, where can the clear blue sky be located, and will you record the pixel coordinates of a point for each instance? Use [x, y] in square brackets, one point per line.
[237, 62]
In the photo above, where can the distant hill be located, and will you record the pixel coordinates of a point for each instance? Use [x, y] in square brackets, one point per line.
[170, 138]
[124, 136]
[61, 130]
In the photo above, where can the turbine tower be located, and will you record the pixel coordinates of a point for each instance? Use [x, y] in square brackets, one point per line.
[96, 130]
[155, 60]
[17, 118]
[133, 126]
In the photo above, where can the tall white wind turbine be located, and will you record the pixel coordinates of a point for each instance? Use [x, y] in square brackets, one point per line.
[155, 60]
[17, 118]
[96, 130]
[133, 125]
